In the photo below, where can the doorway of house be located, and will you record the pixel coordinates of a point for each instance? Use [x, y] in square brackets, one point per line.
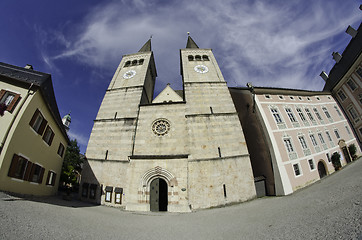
[346, 154]
[322, 170]
[158, 195]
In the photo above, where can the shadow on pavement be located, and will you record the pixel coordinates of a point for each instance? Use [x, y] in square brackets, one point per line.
[59, 199]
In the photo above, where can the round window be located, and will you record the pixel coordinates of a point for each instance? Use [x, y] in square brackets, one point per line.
[160, 127]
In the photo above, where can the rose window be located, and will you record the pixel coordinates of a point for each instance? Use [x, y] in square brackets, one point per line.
[160, 127]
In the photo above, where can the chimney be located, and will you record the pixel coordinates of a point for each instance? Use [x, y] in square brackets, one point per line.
[324, 75]
[351, 31]
[336, 56]
[28, 66]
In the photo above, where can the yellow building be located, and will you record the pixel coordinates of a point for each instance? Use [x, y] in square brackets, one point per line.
[33, 139]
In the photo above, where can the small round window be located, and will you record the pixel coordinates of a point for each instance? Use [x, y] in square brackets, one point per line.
[160, 127]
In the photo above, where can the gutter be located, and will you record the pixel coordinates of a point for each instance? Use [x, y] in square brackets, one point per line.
[14, 118]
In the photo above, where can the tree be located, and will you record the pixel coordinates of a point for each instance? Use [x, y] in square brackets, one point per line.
[352, 150]
[336, 161]
[71, 164]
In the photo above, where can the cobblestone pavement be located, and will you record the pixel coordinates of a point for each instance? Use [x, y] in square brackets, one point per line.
[328, 209]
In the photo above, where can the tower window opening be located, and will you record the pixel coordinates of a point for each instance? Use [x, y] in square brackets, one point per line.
[191, 58]
[205, 58]
[128, 63]
[198, 58]
[212, 112]
[219, 151]
[140, 62]
[106, 155]
[224, 187]
[134, 62]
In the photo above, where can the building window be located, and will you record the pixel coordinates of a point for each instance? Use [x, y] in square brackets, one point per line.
[359, 72]
[198, 58]
[205, 58]
[328, 157]
[288, 145]
[18, 167]
[318, 98]
[317, 114]
[118, 195]
[267, 96]
[51, 178]
[140, 62]
[351, 84]
[127, 64]
[308, 98]
[296, 169]
[311, 164]
[36, 174]
[48, 136]
[337, 133]
[309, 114]
[190, 57]
[326, 112]
[360, 98]
[337, 110]
[341, 95]
[300, 98]
[9, 100]
[301, 115]
[353, 114]
[276, 115]
[348, 131]
[314, 142]
[109, 191]
[290, 115]
[321, 138]
[329, 136]
[302, 142]
[92, 191]
[38, 122]
[281, 97]
[291, 97]
[134, 62]
[61, 149]
[85, 187]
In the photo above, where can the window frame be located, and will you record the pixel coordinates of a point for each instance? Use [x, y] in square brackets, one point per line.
[38, 125]
[341, 95]
[12, 104]
[311, 164]
[276, 115]
[61, 150]
[48, 135]
[313, 140]
[290, 114]
[51, 178]
[297, 170]
[351, 84]
[302, 142]
[288, 145]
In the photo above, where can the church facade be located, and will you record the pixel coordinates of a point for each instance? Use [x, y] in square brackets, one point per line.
[182, 150]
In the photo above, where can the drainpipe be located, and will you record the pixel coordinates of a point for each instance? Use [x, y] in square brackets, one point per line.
[14, 118]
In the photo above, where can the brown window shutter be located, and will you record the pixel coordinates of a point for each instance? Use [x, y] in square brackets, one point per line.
[32, 121]
[41, 175]
[54, 178]
[47, 182]
[51, 138]
[42, 126]
[2, 93]
[13, 165]
[28, 171]
[13, 103]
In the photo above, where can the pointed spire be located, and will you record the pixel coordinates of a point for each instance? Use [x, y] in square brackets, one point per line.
[190, 42]
[147, 46]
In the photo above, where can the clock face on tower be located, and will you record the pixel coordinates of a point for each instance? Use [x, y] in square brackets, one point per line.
[201, 69]
[129, 74]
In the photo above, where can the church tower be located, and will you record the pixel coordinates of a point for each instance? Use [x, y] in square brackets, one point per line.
[185, 150]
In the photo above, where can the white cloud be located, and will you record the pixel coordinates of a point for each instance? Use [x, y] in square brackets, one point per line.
[82, 140]
[270, 43]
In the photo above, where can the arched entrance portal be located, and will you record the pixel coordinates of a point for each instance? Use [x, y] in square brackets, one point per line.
[322, 170]
[158, 195]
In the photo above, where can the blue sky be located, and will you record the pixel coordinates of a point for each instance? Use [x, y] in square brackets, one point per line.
[80, 43]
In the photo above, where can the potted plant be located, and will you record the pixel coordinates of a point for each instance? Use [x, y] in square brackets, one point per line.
[336, 161]
[352, 150]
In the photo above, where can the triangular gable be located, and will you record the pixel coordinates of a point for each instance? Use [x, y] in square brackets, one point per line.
[167, 95]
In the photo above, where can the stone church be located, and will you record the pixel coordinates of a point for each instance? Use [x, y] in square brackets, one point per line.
[183, 150]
